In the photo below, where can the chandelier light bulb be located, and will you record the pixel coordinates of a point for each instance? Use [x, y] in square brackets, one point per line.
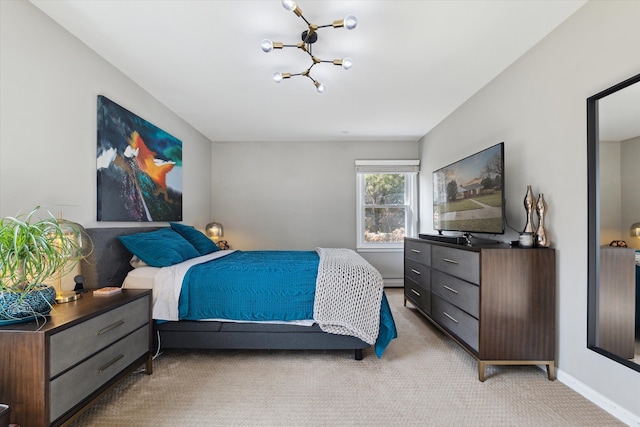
[266, 45]
[277, 77]
[319, 87]
[289, 4]
[350, 22]
[347, 63]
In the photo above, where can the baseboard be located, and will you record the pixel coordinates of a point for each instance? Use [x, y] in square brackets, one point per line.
[600, 400]
[393, 283]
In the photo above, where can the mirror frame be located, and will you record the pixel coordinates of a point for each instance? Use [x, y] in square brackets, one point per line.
[593, 188]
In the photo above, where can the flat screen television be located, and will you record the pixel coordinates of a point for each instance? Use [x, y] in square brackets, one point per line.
[468, 195]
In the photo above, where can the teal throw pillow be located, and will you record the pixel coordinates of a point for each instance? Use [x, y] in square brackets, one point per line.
[160, 248]
[202, 243]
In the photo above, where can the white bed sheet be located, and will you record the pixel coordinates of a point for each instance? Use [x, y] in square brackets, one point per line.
[140, 278]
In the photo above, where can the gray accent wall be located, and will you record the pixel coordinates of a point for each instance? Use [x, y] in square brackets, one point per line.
[538, 108]
[49, 83]
[297, 195]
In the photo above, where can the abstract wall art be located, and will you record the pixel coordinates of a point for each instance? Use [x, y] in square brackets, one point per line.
[139, 168]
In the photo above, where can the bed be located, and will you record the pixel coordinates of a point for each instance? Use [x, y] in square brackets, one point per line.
[110, 264]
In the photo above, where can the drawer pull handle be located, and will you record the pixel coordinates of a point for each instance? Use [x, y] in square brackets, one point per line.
[415, 292]
[451, 261]
[416, 271]
[447, 314]
[106, 365]
[450, 289]
[415, 251]
[110, 327]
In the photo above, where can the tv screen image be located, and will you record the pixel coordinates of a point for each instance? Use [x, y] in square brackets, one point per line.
[468, 194]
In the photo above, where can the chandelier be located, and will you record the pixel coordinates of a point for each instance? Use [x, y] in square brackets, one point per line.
[309, 37]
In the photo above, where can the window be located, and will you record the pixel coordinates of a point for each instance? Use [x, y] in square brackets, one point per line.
[387, 198]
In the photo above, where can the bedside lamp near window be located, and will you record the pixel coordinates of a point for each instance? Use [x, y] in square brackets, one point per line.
[635, 230]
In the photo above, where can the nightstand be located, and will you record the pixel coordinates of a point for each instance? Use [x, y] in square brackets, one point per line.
[53, 372]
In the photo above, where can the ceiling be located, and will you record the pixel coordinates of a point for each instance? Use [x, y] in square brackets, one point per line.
[415, 61]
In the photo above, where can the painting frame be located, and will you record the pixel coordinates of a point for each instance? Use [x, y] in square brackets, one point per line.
[138, 167]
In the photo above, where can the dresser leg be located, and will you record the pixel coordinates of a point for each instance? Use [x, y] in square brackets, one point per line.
[551, 371]
[481, 368]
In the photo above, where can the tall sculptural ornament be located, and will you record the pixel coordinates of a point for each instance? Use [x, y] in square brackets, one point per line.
[529, 206]
[542, 237]
[527, 237]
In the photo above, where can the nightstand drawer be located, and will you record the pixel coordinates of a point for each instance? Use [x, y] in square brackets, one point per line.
[71, 387]
[79, 342]
[417, 251]
[461, 324]
[462, 294]
[460, 263]
[419, 273]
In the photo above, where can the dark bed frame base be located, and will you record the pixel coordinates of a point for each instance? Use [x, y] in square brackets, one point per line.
[252, 336]
[108, 265]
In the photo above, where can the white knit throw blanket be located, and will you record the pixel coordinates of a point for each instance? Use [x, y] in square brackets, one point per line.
[348, 295]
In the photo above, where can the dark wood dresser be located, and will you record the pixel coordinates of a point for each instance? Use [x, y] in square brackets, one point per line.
[496, 301]
[51, 372]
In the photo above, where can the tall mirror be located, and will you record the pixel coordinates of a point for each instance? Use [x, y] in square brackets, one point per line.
[613, 150]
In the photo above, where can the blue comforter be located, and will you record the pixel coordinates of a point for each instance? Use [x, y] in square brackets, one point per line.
[262, 286]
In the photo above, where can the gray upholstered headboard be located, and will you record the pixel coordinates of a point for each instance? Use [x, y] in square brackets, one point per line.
[108, 264]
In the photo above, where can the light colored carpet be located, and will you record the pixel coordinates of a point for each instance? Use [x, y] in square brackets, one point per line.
[423, 379]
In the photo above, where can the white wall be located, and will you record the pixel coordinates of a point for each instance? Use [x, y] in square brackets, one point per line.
[538, 108]
[610, 192]
[619, 195]
[296, 195]
[49, 82]
[630, 153]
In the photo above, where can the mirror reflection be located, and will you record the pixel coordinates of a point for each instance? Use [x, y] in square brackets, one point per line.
[614, 173]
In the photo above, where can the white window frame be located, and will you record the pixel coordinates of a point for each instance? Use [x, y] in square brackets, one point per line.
[408, 167]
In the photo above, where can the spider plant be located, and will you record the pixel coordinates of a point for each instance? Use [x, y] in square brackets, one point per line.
[33, 250]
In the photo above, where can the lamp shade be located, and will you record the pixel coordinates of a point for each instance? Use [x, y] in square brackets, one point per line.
[71, 245]
[214, 230]
[635, 230]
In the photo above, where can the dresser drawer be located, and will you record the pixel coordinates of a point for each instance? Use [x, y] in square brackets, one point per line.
[419, 273]
[461, 324]
[462, 294]
[417, 251]
[457, 262]
[71, 387]
[417, 294]
[81, 341]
